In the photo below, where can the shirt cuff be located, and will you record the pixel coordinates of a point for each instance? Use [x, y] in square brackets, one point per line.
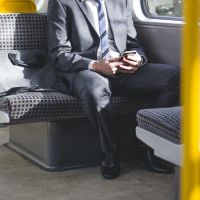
[144, 60]
[90, 65]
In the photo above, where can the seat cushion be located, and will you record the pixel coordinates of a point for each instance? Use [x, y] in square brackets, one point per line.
[164, 122]
[54, 106]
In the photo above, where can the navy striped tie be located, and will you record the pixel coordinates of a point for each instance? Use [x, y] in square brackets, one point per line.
[103, 31]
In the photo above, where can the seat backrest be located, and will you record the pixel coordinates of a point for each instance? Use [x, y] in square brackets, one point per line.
[24, 34]
[23, 31]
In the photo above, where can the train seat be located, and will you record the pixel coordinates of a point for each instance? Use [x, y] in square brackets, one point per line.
[49, 127]
[159, 128]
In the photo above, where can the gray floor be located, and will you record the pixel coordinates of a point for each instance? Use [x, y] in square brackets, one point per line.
[22, 180]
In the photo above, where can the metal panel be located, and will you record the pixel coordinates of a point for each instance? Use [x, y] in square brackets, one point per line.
[161, 42]
[70, 144]
[31, 137]
[162, 148]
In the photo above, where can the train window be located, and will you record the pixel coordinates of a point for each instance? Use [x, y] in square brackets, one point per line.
[157, 8]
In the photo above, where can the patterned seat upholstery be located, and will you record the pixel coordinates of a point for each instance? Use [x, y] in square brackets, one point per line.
[53, 106]
[28, 32]
[23, 31]
[164, 122]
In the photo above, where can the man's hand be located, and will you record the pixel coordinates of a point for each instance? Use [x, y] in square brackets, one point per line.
[106, 67]
[130, 63]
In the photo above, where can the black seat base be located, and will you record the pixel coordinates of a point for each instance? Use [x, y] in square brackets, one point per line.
[69, 144]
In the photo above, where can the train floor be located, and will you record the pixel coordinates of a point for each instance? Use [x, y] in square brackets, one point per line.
[22, 180]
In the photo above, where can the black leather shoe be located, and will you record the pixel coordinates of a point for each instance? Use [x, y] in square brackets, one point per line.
[111, 169]
[155, 164]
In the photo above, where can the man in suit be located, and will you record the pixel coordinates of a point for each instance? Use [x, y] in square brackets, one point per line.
[94, 47]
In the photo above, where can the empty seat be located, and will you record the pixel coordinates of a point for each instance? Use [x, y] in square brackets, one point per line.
[159, 128]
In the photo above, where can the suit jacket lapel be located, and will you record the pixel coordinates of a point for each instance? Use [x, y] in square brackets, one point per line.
[86, 12]
[110, 4]
[109, 7]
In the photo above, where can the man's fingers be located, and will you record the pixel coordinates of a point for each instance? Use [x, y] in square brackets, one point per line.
[125, 67]
[115, 59]
[131, 62]
[129, 68]
[134, 57]
[114, 70]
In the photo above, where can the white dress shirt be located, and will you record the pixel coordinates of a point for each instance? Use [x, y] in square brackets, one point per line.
[92, 5]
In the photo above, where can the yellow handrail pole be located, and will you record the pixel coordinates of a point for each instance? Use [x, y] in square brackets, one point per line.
[17, 6]
[190, 173]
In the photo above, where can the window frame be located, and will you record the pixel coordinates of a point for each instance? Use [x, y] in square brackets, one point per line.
[139, 15]
[147, 13]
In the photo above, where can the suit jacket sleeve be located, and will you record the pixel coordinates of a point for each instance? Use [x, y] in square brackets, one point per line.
[59, 45]
[132, 41]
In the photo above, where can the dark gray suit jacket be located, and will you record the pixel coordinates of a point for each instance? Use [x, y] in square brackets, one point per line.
[73, 41]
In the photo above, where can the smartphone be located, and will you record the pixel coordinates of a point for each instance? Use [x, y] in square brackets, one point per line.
[129, 52]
